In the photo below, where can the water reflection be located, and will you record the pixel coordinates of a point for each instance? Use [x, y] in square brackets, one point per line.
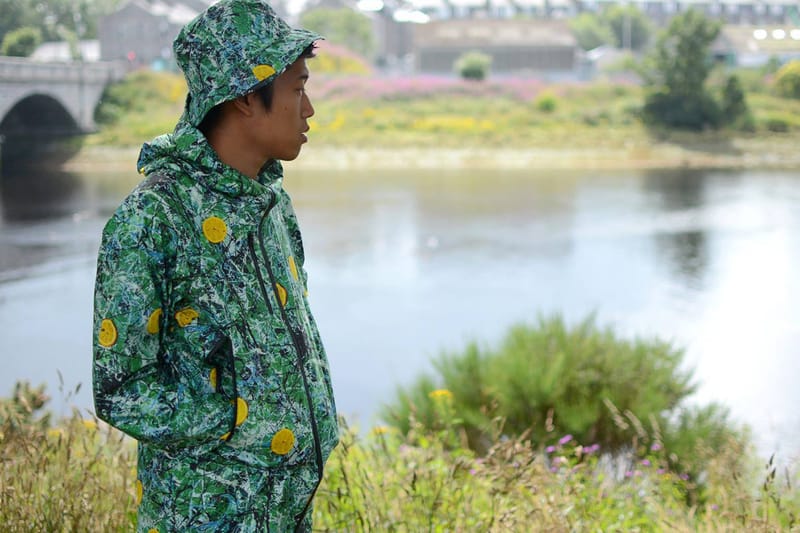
[684, 246]
[28, 193]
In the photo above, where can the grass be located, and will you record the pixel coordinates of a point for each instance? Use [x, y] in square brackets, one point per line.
[79, 475]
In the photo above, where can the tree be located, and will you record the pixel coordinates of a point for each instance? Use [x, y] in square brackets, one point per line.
[342, 26]
[473, 66]
[735, 111]
[55, 18]
[675, 74]
[21, 42]
[787, 80]
[628, 25]
[591, 31]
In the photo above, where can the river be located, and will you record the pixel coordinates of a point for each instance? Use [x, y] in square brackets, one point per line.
[403, 265]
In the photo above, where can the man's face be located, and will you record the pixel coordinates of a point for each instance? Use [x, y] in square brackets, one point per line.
[281, 129]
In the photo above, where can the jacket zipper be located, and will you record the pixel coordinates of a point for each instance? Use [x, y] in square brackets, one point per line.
[260, 278]
[298, 344]
[302, 351]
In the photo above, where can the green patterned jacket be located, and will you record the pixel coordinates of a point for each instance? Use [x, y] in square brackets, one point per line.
[204, 344]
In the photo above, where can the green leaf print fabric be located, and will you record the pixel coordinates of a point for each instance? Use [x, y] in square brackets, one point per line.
[205, 348]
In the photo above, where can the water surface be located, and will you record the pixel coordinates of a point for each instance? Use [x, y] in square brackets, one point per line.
[403, 265]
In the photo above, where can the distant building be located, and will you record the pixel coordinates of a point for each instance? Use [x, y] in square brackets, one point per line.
[88, 51]
[754, 46]
[525, 47]
[660, 11]
[141, 31]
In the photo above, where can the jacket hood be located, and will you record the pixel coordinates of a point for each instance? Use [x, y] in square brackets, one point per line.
[186, 151]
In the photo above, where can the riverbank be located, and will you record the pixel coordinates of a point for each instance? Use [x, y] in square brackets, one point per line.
[763, 152]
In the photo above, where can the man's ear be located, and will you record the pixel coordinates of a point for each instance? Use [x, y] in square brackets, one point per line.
[246, 105]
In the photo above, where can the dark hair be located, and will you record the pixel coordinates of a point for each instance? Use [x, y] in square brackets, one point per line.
[265, 93]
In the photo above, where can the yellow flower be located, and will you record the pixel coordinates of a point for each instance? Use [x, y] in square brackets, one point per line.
[90, 424]
[440, 394]
[380, 430]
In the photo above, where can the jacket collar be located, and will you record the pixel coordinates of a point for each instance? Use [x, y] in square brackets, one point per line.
[186, 150]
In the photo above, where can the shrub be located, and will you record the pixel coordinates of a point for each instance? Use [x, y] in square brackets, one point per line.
[473, 66]
[546, 102]
[734, 109]
[584, 381]
[776, 123]
[21, 42]
[787, 80]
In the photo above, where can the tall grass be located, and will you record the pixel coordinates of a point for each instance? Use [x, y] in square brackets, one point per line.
[77, 475]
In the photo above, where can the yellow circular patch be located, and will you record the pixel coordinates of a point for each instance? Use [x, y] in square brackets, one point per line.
[262, 72]
[215, 229]
[154, 322]
[282, 442]
[241, 411]
[283, 296]
[108, 333]
[293, 268]
[139, 492]
[212, 377]
[186, 316]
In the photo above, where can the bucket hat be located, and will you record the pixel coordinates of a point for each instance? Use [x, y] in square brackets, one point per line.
[233, 48]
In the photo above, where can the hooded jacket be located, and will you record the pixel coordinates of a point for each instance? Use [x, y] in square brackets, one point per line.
[205, 349]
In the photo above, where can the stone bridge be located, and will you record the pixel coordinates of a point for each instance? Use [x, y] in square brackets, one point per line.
[46, 100]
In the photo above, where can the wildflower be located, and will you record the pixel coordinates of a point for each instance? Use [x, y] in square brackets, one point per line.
[565, 439]
[591, 449]
[380, 430]
[646, 462]
[661, 471]
[714, 507]
[684, 477]
[550, 449]
[628, 474]
[472, 471]
[554, 469]
[89, 424]
[55, 432]
[656, 446]
[440, 394]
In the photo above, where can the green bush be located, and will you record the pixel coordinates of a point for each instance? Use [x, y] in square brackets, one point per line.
[776, 123]
[734, 109]
[473, 66]
[787, 80]
[546, 102]
[583, 380]
[21, 42]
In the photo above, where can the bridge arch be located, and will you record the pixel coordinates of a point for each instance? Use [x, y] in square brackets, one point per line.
[38, 114]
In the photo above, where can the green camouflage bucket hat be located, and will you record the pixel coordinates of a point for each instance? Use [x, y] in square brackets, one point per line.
[233, 48]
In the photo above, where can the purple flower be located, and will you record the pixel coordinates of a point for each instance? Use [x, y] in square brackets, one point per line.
[565, 439]
[472, 471]
[656, 446]
[550, 449]
[684, 477]
[628, 474]
[591, 449]
[646, 462]
[661, 471]
[554, 469]
[715, 507]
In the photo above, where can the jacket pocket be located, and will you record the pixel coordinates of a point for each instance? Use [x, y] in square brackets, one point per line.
[223, 378]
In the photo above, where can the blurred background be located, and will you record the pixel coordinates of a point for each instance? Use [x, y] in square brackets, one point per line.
[472, 164]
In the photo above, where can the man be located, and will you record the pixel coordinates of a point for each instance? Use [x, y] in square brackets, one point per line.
[205, 349]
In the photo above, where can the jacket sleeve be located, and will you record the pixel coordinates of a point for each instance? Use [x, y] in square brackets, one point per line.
[143, 385]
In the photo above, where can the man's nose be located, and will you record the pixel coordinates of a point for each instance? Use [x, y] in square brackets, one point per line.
[308, 109]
